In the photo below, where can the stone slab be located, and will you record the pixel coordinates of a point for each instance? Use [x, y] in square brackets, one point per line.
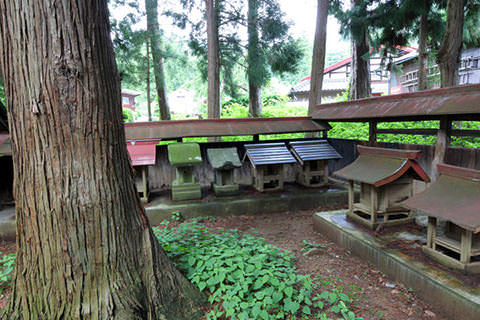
[226, 190]
[292, 198]
[436, 287]
[186, 191]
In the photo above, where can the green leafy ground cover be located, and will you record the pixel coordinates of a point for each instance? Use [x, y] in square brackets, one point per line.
[247, 278]
[7, 264]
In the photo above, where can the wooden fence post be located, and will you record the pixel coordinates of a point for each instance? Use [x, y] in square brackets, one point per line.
[443, 140]
[372, 133]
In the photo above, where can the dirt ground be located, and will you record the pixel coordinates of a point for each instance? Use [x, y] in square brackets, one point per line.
[378, 296]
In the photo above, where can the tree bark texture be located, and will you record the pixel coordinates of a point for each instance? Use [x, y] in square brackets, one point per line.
[149, 99]
[360, 84]
[85, 249]
[153, 30]
[448, 56]
[213, 59]
[255, 100]
[254, 61]
[422, 53]
[318, 59]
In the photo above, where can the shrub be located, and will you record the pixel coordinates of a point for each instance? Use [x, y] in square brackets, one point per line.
[128, 115]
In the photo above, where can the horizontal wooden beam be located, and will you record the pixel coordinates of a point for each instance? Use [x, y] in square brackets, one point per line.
[425, 132]
[465, 133]
[430, 132]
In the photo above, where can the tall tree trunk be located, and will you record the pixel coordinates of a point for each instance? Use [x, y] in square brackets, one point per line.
[318, 59]
[255, 100]
[213, 59]
[360, 84]
[85, 249]
[149, 99]
[255, 65]
[422, 52]
[153, 30]
[448, 56]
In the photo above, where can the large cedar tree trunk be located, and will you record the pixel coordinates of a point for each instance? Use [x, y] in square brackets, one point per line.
[422, 52]
[360, 86]
[153, 30]
[254, 61]
[448, 56]
[85, 249]
[318, 59]
[213, 60]
[149, 99]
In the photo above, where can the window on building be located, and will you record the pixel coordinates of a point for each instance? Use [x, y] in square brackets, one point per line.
[125, 100]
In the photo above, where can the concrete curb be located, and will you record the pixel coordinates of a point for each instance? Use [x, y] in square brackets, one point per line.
[433, 286]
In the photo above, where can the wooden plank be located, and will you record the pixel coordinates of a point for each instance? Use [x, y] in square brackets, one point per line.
[424, 132]
[449, 243]
[351, 194]
[430, 132]
[373, 204]
[466, 246]
[431, 231]
[465, 133]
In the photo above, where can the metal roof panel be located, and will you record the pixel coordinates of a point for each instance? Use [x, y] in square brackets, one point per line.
[432, 104]
[166, 130]
[314, 150]
[269, 153]
[378, 170]
[455, 199]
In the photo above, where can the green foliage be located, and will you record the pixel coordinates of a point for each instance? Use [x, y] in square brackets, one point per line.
[359, 131]
[7, 265]
[270, 49]
[471, 28]
[349, 130]
[230, 19]
[247, 278]
[392, 23]
[128, 115]
[177, 216]
[273, 106]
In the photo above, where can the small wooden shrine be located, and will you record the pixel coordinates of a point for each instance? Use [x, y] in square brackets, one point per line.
[223, 162]
[386, 179]
[184, 156]
[455, 198]
[268, 160]
[312, 161]
[142, 154]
